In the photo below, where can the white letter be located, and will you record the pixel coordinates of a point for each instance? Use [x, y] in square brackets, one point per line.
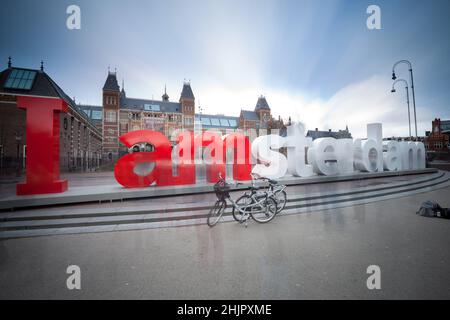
[74, 280]
[369, 153]
[392, 159]
[374, 281]
[420, 164]
[409, 155]
[374, 20]
[296, 142]
[74, 20]
[272, 164]
[344, 155]
[322, 155]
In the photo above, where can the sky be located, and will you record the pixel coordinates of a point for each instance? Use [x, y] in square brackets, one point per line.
[315, 61]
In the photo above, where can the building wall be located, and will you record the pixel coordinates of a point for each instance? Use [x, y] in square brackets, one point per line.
[437, 141]
[188, 111]
[80, 142]
[111, 100]
[12, 125]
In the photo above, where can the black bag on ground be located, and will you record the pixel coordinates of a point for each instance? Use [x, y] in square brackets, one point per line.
[433, 209]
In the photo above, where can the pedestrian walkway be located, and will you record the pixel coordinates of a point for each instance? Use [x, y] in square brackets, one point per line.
[192, 209]
[91, 188]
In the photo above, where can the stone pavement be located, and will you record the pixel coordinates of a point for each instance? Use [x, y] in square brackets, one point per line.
[181, 210]
[320, 254]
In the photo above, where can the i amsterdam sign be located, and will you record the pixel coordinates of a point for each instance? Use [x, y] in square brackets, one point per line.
[323, 156]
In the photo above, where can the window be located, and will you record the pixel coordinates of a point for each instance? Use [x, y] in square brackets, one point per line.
[215, 122]
[206, 121]
[110, 100]
[152, 107]
[224, 123]
[124, 127]
[96, 115]
[232, 123]
[20, 79]
[110, 116]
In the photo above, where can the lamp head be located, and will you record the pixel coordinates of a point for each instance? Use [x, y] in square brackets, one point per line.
[393, 90]
[394, 76]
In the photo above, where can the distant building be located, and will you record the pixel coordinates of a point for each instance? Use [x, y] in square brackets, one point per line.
[438, 139]
[341, 134]
[120, 114]
[89, 134]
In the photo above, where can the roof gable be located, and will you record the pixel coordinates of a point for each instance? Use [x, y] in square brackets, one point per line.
[111, 82]
[187, 93]
[249, 115]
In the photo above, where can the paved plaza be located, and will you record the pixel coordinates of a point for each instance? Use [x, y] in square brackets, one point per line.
[315, 254]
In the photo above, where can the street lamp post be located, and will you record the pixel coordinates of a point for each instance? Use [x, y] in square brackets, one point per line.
[407, 100]
[412, 87]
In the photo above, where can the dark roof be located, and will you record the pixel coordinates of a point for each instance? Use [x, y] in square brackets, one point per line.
[43, 86]
[187, 93]
[111, 82]
[314, 134]
[250, 115]
[262, 104]
[218, 121]
[155, 106]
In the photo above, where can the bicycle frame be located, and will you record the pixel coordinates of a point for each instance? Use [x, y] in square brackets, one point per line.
[242, 209]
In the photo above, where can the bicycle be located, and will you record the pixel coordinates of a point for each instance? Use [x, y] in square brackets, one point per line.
[261, 209]
[275, 190]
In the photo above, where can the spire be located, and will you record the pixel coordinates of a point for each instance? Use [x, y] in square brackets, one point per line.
[111, 82]
[123, 88]
[262, 103]
[9, 62]
[165, 96]
[187, 93]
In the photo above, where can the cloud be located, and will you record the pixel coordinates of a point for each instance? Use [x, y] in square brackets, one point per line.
[354, 105]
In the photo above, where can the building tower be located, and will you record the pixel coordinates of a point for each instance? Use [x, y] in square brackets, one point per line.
[111, 102]
[187, 101]
[263, 110]
[165, 96]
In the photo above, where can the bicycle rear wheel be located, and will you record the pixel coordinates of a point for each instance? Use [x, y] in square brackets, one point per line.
[267, 212]
[216, 212]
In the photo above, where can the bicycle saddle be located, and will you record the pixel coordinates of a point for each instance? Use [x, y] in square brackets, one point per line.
[273, 181]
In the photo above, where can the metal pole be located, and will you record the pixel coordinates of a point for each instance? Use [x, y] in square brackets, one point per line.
[412, 87]
[409, 117]
[414, 100]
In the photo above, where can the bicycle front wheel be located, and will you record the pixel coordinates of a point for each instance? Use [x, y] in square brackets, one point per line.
[243, 202]
[281, 199]
[216, 212]
[267, 212]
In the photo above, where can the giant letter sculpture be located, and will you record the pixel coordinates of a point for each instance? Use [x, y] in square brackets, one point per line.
[271, 164]
[42, 133]
[240, 145]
